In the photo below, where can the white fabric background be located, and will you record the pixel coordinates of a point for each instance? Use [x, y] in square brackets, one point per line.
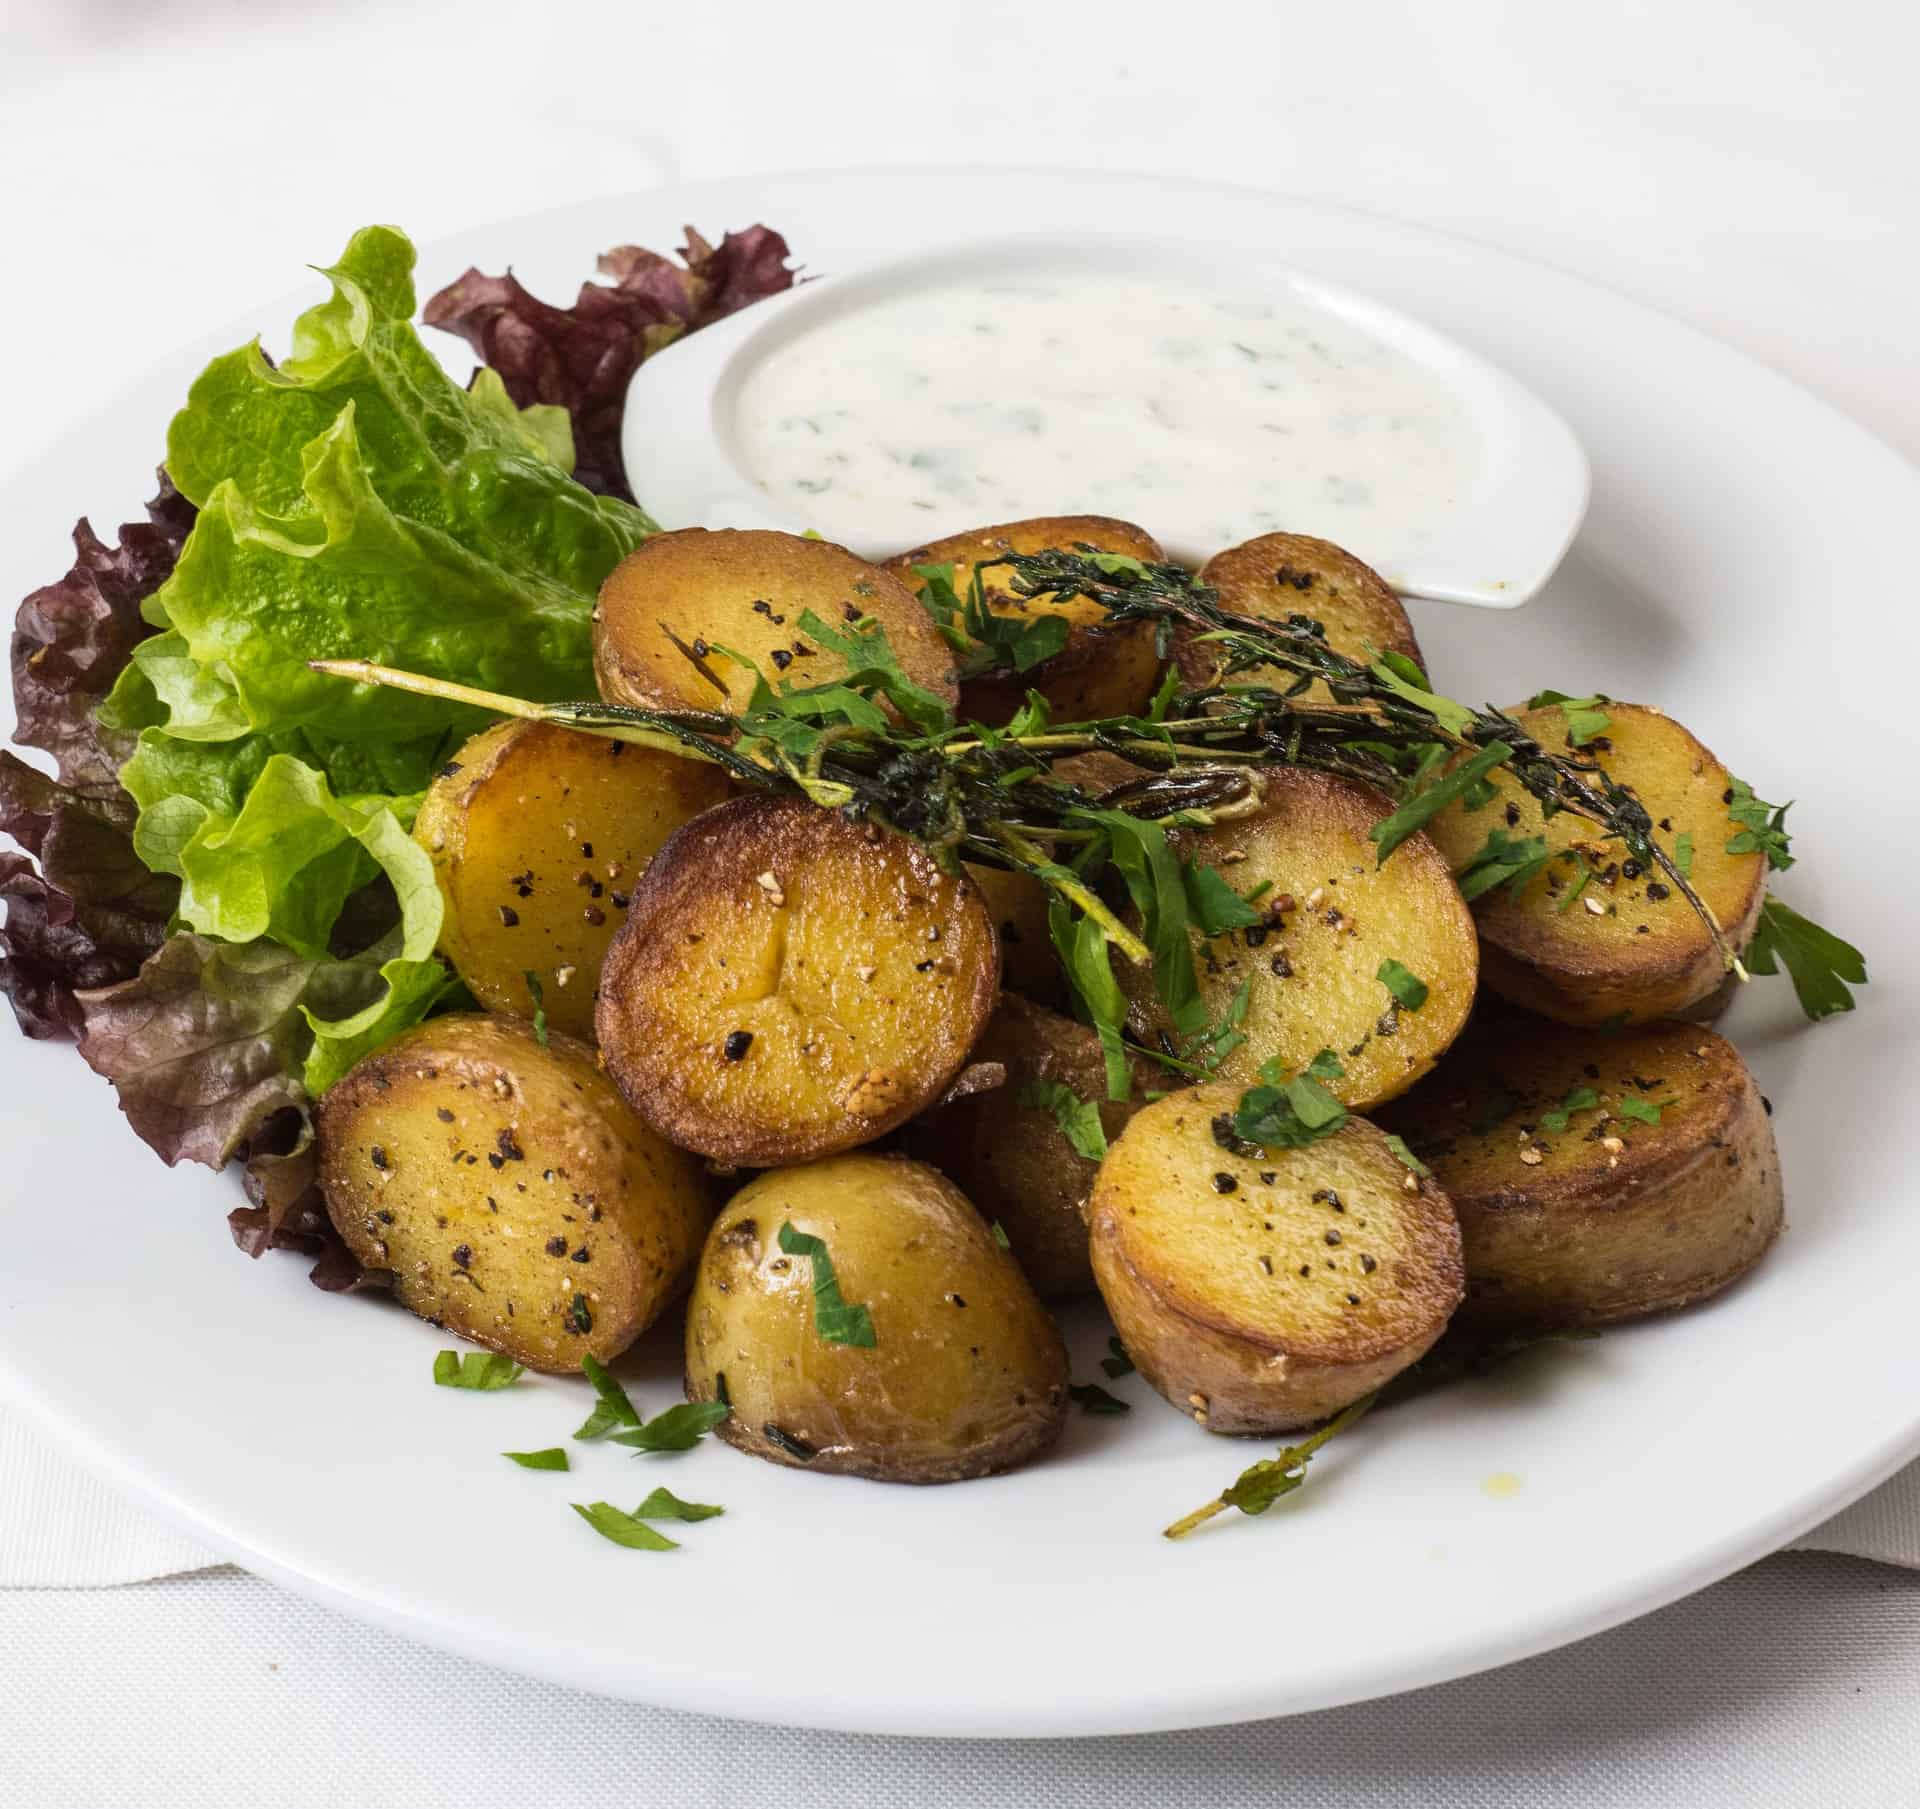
[1750, 167]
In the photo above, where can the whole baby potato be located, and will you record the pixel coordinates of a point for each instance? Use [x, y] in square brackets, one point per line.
[965, 1374]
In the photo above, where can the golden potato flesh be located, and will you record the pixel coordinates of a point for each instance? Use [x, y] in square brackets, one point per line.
[1006, 1148]
[1101, 671]
[1597, 1178]
[537, 835]
[1018, 905]
[678, 597]
[1280, 575]
[1262, 1290]
[789, 983]
[509, 1191]
[965, 1376]
[1333, 917]
[1593, 939]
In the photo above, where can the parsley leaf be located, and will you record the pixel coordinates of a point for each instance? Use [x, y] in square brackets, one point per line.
[1291, 1114]
[1502, 860]
[1215, 905]
[552, 1458]
[613, 1408]
[477, 1369]
[664, 1504]
[1581, 1099]
[873, 666]
[1427, 802]
[1408, 989]
[622, 1528]
[1404, 679]
[1260, 1485]
[833, 1318]
[1000, 1235]
[539, 997]
[1586, 721]
[1092, 1398]
[1683, 853]
[1082, 949]
[1218, 1041]
[1078, 1119]
[987, 642]
[1643, 1110]
[1146, 862]
[1398, 1145]
[1119, 1363]
[1762, 827]
[680, 1428]
[1820, 965]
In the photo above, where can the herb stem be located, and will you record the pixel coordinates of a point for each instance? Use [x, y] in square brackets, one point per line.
[1290, 1458]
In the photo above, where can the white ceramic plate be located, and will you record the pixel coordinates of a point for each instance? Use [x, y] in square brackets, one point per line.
[1745, 563]
[1495, 549]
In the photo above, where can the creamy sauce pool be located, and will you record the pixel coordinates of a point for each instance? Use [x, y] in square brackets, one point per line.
[1205, 419]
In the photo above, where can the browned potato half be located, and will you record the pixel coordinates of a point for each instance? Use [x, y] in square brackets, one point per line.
[1281, 575]
[747, 589]
[1101, 671]
[1263, 1291]
[537, 835]
[1312, 968]
[789, 984]
[1018, 905]
[509, 1191]
[965, 1376]
[1007, 1149]
[1575, 1210]
[1592, 939]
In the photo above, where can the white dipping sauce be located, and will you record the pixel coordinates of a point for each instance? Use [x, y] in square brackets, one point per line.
[1205, 419]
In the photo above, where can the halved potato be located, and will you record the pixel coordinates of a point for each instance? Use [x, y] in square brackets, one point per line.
[537, 835]
[509, 1191]
[790, 983]
[1261, 1291]
[1101, 671]
[747, 589]
[1010, 1156]
[1575, 1211]
[1018, 904]
[1622, 945]
[1280, 575]
[1333, 917]
[965, 1376]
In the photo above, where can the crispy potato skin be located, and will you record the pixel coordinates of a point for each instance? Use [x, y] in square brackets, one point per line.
[967, 1375]
[1312, 967]
[1644, 955]
[1609, 1218]
[1013, 1161]
[703, 584]
[1101, 671]
[537, 835]
[1280, 575]
[1017, 903]
[858, 973]
[1205, 1282]
[509, 1191]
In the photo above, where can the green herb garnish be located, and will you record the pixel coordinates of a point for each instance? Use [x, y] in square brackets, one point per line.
[1116, 1363]
[1820, 965]
[1683, 852]
[664, 1504]
[1408, 989]
[477, 1369]
[835, 1320]
[1215, 906]
[1762, 827]
[1398, 1145]
[1502, 860]
[1581, 1099]
[1078, 1119]
[984, 641]
[1644, 1110]
[1291, 1114]
[539, 996]
[1090, 1397]
[623, 1528]
[613, 1407]
[1586, 721]
[552, 1458]
[1260, 1485]
[679, 1428]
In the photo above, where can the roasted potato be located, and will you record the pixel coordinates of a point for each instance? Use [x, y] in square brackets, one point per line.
[1333, 918]
[1101, 671]
[537, 835]
[1574, 1209]
[509, 1191]
[789, 983]
[1592, 939]
[1280, 575]
[1018, 904]
[1009, 1154]
[965, 1376]
[1261, 1290]
[676, 598]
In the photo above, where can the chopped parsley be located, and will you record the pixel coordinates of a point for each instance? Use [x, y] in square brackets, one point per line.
[1078, 1119]
[1762, 826]
[1398, 1145]
[538, 994]
[1581, 1099]
[1820, 965]
[1117, 1363]
[477, 1369]
[1586, 721]
[612, 1409]
[1290, 1114]
[1214, 905]
[986, 642]
[1683, 853]
[623, 1528]
[1502, 860]
[1644, 1111]
[1090, 1397]
[679, 1428]
[1408, 989]
[834, 1319]
[552, 1458]
[664, 1504]
[1427, 802]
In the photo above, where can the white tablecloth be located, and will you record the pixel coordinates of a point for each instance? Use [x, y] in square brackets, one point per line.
[1750, 166]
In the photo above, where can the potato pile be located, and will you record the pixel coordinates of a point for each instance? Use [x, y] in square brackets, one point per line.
[790, 1068]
